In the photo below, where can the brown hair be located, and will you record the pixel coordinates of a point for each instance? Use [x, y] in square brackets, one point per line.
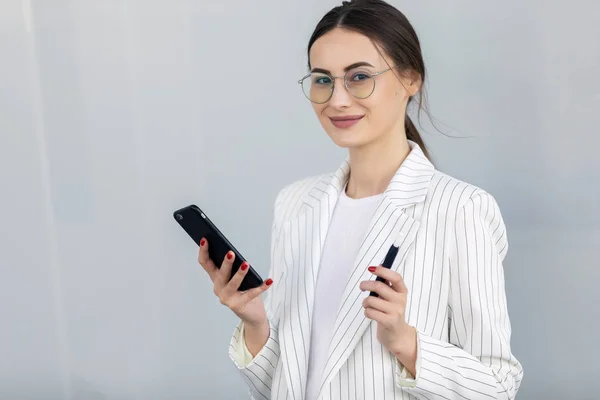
[390, 29]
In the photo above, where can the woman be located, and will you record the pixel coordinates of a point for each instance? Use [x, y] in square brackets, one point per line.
[437, 327]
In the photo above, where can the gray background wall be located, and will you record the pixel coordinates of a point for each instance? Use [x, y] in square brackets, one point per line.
[114, 113]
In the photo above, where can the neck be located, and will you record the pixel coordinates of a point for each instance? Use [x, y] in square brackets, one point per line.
[372, 167]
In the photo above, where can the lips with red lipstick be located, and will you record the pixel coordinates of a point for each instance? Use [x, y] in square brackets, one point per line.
[345, 121]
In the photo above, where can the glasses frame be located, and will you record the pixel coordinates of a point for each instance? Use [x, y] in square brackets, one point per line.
[333, 78]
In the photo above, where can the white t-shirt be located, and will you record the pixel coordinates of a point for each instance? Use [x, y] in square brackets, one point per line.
[347, 229]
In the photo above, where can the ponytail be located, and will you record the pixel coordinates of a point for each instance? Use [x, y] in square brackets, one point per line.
[413, 134]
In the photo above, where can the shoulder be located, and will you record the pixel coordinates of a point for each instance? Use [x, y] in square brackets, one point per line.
[455, 194]
[463, 204]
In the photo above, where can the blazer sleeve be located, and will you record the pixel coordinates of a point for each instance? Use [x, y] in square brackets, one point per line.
[258, 372]
[477, 363]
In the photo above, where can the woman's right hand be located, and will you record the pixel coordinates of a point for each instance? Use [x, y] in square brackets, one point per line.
[248, 305]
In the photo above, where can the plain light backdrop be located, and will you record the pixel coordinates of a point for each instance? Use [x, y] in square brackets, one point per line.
[114, 113]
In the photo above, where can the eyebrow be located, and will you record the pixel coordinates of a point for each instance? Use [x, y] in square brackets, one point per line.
[348, 68]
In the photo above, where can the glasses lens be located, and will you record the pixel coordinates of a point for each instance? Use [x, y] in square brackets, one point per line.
[317, 87]
[360, 83]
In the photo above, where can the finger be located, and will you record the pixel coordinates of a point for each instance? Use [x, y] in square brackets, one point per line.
[382, 289]
[236, 280]
[382, 305]
[225, 270]
[204, 259]
[376, 315]
[257, 291]
[394, 278]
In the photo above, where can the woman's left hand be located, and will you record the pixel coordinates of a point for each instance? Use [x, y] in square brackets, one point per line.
[388, 310]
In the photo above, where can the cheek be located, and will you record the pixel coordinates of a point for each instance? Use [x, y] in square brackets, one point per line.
[381, 108]
[384, 110]
[393, 92]
[393, 100]
[318, 109]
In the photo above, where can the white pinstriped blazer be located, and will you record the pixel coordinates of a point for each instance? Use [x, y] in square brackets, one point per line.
[453, 244]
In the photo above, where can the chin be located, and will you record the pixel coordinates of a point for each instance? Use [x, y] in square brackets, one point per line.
[353, 137]
[346, 139]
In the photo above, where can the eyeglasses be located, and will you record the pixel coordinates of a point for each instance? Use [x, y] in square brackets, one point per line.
[318, 87]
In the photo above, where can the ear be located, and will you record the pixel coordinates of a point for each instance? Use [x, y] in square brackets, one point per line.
[412, 82]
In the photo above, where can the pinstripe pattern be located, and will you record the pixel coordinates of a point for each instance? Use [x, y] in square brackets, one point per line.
[453, 242]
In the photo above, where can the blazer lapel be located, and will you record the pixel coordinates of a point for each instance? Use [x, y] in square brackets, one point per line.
[390, 221]
[305, 236]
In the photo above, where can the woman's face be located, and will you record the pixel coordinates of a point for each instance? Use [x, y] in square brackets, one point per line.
[349, 121]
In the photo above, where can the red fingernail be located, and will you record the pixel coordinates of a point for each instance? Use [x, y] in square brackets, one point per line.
[269, 282]
[202, 242]
[244, 266]
[372, 269]
[229, 255]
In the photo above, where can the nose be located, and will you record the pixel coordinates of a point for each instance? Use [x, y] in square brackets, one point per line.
[340, 98]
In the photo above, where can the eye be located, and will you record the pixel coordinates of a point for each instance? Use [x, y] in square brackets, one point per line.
[359, 76]
[322, 80]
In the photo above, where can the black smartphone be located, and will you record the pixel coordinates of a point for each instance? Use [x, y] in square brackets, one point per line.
[197, 225]
[387, 263]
